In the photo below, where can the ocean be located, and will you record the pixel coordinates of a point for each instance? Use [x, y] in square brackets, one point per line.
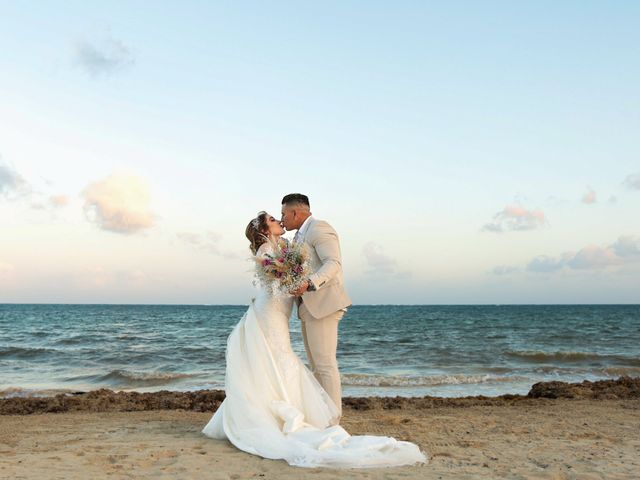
[386, 350]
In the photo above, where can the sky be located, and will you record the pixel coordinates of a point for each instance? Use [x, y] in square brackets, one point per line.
[465, 152]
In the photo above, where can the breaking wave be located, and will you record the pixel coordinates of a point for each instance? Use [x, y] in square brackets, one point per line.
[125, 378]
[536, 356]
[355, 379]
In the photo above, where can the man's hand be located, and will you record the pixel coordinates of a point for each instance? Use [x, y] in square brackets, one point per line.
[303, 288]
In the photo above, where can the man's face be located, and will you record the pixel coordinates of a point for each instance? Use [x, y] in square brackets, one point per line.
[288, 218]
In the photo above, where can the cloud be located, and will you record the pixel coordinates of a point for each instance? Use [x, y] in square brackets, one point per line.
[625, 249]
[544, 264]
[504, 270]
[52, 202]
[119, 203]
[380, 264]
[376, 259]
[11, 183]
[492, 227]
[593, 256]
[208, 242]
[589, 197]
[632, 181]
[515, 217]
[107, 57]
[59, 200]
[15, 187]
[627, 246]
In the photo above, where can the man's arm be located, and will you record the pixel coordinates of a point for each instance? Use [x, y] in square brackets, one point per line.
[327, 246]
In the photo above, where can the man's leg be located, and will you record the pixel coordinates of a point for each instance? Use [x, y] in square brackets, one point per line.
[321, 342]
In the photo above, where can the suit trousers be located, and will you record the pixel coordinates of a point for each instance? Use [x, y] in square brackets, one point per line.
[320, 337]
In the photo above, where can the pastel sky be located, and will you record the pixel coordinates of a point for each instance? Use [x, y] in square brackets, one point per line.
[466, 152]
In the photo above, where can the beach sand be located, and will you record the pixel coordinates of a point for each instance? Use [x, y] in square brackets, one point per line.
[594, 435]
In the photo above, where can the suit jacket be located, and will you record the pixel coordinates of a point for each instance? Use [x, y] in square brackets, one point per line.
[326, 262]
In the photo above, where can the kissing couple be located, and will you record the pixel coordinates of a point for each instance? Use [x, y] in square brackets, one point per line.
[275, 406]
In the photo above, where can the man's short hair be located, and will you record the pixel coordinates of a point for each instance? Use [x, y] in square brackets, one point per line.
[295, 199]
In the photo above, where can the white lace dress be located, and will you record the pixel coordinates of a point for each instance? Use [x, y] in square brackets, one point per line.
[275, 407]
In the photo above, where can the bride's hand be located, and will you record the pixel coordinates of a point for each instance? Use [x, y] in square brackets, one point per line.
[303, 288]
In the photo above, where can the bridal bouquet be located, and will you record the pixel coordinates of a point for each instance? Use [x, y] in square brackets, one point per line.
[285, 268]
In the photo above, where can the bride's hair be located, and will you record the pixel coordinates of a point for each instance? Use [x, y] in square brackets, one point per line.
[256, 231]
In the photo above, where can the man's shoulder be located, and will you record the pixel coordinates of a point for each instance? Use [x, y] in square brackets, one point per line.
[321, 226]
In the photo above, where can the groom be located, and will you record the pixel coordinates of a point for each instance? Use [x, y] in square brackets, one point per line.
[322, 299]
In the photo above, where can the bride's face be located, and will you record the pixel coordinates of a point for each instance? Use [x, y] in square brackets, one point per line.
[274, 226]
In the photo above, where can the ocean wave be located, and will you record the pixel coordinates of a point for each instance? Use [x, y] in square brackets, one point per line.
[126, 378]
[537, 356]
[25, 352]
[11, 392]
[356, 379]
[597, 371]
[621, 371]
[75, 340]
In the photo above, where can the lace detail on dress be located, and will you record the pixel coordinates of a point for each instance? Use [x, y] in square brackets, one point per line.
[264, 248]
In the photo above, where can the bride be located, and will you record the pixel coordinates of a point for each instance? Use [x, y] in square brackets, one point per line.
[274, 406]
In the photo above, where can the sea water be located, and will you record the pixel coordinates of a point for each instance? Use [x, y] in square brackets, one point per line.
[383, 350]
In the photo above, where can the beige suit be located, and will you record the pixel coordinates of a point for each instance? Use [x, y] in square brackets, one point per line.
[321, 310]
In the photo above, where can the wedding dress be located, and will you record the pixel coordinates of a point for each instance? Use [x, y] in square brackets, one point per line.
[275, 407]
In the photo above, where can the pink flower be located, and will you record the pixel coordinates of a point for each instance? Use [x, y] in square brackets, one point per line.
[266, 262]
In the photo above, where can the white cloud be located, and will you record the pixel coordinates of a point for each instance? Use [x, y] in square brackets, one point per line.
[52, 202]
[504, 270]
[589, 197]
[208, 242]
[120, 203]
[593, 256]
[492, 227]
[380, 264]
[632, 181]
[59, 200]
[11, 183]
[515, 218]
[625, 249]
[103, 58]
[39, 202]
[627, 246]
[15, 187]
[544, 264]
[377, 261]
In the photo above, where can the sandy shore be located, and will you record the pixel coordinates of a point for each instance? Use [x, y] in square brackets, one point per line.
[593, 434]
